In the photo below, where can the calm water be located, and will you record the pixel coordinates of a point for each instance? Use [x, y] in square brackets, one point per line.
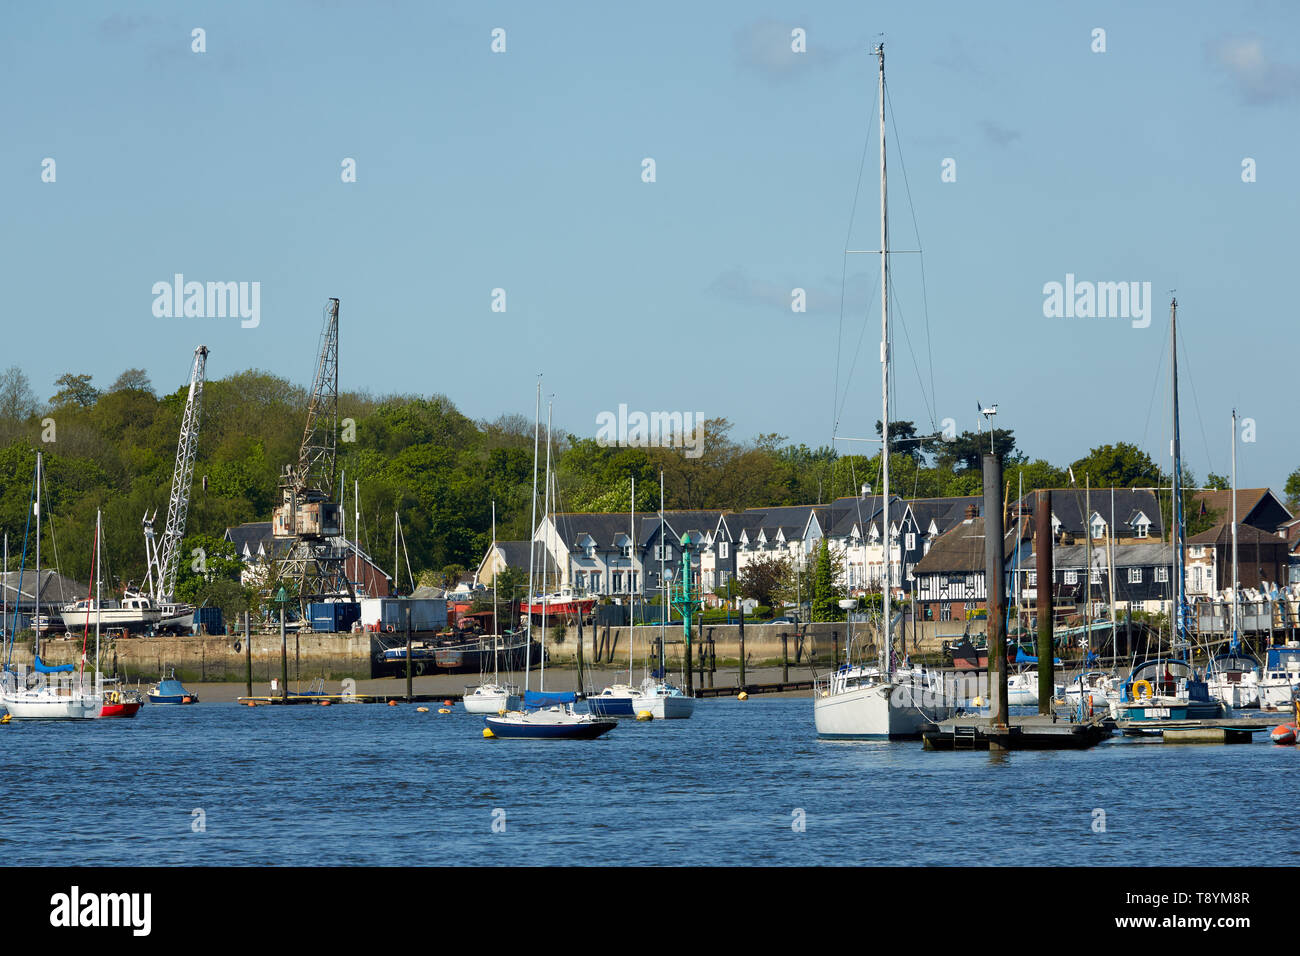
[386, 785]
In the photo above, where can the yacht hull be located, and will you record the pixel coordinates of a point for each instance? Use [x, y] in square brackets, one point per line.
[38, 706]
[490, 703]
[665, 708]
[875, 712]
[549, 725]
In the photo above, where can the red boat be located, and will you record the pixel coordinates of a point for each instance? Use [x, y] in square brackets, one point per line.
[119, 703]
[566, 603]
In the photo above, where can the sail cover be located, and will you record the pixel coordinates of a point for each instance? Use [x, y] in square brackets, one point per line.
[534, 698]
[42, 668]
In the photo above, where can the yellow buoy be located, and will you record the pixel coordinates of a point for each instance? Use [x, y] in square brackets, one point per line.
[422, 710]
[5, 719]
[645, 715]
[444, 710]
[978, 701]
[742, 696]
[488, 733]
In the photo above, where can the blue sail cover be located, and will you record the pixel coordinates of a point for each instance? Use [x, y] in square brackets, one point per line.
[57, 669]
[534, 698]
[1023, 658]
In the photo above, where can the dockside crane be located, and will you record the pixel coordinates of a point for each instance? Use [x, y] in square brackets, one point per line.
[163, 557]
[307, 516]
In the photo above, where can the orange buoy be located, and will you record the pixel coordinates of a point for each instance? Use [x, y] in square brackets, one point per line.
[446, 703]
[324, 703]
[252, 703]
[1283, 734]
[392, 703]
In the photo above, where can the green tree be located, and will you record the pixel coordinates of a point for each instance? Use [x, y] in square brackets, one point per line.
[1217, 482]
[1121, 465]
[1292, 490]
[826, 593]
[74, 390]
[763, 578]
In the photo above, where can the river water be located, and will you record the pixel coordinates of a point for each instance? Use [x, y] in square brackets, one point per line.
[742, 782]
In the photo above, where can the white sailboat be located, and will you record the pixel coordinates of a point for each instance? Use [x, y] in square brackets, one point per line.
[492, 697]
[657, 697]
[860, 701]
[49, 693]
[553, 716]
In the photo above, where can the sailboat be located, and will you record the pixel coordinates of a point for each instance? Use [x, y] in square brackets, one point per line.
[1233, 677]
[619, 700]
[1170, 688]
[861, 700]
[28, 698]
[660, 699]
[492, 697]
[552, 716]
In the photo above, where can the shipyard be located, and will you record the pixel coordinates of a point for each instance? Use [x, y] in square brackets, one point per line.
[756, 443]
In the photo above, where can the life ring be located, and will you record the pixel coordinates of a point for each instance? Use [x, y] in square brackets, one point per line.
[390, 629]
[1139, 685]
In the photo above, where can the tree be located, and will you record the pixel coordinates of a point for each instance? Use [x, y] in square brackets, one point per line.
[510, 583]
[1118, 466]
[205, 560]
[17, 400]
[762, 578]
[133, 379]
[826, 593]
[1292, 490]
[1217, 482]
[74, 390]
[969, 448]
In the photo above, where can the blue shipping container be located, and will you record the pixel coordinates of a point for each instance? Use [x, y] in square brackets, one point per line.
[333, 617]
[209, 619]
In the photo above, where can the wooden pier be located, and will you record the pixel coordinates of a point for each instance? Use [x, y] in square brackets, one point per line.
[1034, 732]
[778, 688]
[1222, 730]
[350, 699]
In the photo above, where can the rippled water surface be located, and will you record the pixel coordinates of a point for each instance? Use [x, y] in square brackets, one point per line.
[387, 785]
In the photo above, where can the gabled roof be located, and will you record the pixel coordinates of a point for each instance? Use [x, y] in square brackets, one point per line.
[1254, 505]
[1069, 508]
[1247, 536]
[55, 589]
[962, 548]
[1074, 556]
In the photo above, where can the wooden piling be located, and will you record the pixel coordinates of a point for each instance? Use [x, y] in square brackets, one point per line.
[785, 658]
[409, 693]
[1043, 599]
[742, 644]
[995, 594]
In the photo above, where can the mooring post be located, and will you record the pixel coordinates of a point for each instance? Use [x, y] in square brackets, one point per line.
[995, 594]
[713, 659]
[742, 645]
[1043, 598]
[284, 659]
[580, 639]
[248, 657]
[785, 658]
[835, 650]
[409, 695]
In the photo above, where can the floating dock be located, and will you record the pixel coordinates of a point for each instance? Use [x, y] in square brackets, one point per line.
[1221, 730]
[350, 699]
[751, 689]
[1035, 732]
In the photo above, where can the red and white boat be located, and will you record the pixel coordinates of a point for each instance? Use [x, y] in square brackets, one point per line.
[565, 601]
[121, 703]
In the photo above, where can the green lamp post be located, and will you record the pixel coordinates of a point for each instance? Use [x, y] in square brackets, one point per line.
[282, 598]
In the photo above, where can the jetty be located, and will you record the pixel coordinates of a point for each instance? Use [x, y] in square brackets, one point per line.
[257, 701]
[1032, 732]
[1220, 730]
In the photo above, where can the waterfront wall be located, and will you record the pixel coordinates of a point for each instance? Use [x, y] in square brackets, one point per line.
[220, 658]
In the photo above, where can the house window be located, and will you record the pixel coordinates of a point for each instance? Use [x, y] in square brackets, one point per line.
[945, 612]
[1095, 577]
[1162, 575]
[1099, 529]
[591, 550]
[580, 579]
[595, 580]
[1134, 575]
[617, 580]
[911, 541]
[723, 550]
[1032, 579]
[1143, 528]
[1071, 577]
[627, 551]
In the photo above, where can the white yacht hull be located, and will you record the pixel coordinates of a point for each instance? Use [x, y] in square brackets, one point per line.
[873, 712]
[46, 704]
[1276, 694]
[490, 702]
[665, 707]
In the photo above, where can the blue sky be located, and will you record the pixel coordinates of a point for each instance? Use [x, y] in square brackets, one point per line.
[522, 170]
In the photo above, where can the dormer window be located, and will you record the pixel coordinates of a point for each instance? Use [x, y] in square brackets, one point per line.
[1098, 526]
[1142, 525]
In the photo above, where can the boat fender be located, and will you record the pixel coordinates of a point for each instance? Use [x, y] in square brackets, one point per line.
[1150, 691]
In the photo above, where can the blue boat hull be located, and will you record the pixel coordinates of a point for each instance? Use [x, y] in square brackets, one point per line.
[168, 699]
[587, 730]
[611, 706]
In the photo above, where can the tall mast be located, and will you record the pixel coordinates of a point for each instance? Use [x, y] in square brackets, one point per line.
[496, 628]
[37, 644]
[99, 583]
[532, 536]
[887, 666]
[1236, 637]
[663, 550]
[631, 580]
[1176, 509]
[546, 511]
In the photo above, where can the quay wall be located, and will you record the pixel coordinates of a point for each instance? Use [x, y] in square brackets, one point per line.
[336, 656]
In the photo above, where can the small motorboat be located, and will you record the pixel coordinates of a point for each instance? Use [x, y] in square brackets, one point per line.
[170, 691]
[121, 703]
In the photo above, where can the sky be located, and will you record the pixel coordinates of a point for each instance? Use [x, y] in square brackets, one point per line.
[1118, 156]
